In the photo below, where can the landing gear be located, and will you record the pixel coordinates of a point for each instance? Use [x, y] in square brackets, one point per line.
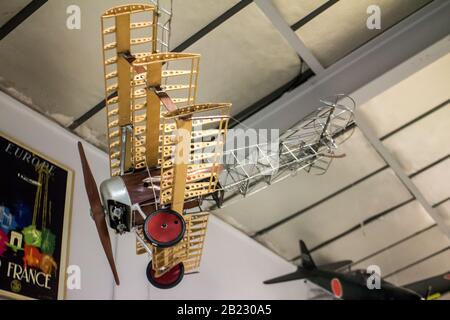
[164, 228]
[168, 280]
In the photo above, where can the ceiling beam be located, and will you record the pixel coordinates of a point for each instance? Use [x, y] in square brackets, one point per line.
[401, 174]
[386, 51]
[20, 17]
[289, 35]
[302, 77]
[313, 14]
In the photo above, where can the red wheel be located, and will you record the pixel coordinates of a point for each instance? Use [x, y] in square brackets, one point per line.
[168, 280]
[164, 228]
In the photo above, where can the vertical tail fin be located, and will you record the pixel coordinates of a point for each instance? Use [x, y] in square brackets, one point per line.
[307, 261]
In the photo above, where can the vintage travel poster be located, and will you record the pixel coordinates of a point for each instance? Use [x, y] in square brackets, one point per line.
[35, 204]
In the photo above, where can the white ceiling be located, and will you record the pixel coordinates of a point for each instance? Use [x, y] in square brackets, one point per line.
[377, 235]
[60, 69]
[243, 60]
[68, 62]
[337, 214]
[385, 112]
[10, 8]
[372, 196]
[342, 28]
[423, 142]
[424, 244]
[434, 183]
[187, 20]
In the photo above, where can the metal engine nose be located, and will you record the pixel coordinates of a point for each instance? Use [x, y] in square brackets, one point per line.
[114, 189]
[117, 204]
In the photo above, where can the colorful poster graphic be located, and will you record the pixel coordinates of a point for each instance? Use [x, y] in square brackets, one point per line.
[35, 201]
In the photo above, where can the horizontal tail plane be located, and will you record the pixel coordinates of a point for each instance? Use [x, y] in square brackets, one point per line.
[307, 267]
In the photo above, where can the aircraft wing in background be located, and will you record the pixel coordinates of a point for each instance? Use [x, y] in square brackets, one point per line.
[431, 288]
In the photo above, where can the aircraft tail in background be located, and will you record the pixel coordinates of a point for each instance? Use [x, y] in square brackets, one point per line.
[303, 271]
[307, 261]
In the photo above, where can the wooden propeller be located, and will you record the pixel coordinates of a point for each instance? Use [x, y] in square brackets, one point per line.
[98, 213]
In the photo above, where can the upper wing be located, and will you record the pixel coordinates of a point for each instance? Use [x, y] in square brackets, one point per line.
[133, 69]
[118, 25]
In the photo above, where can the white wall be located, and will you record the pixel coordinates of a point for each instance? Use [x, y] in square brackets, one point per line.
[233, 265]
[43, 135]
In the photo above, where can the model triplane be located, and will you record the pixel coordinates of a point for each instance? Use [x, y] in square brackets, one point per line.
[166, 152]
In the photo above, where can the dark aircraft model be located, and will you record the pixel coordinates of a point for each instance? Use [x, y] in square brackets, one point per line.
[353, 285]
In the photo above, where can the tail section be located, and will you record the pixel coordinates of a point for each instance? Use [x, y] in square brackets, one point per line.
[303, 271]
[307, 261]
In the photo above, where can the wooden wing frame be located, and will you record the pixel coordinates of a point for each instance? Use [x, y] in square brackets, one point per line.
[191, 161]
[190, 168]
[154, 71]
[144, 109]
[126, 30]
[191, 157]
[144, 133]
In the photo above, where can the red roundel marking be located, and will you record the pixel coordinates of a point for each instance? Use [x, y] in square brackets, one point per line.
[336, 288]
[447, 276]
[164, 226]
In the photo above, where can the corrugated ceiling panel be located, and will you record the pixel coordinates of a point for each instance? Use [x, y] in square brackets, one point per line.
[337, 215]
[423, 142]
[444, 211]
[10, 8]
[232, 55]
[434, 183]
[244, 60]
[191, 16]
[436, 265]
[342, 28]
[393, 227]
[409, 99]
[408, 252]
[61, 70]
[291, 195]
[429, 268]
